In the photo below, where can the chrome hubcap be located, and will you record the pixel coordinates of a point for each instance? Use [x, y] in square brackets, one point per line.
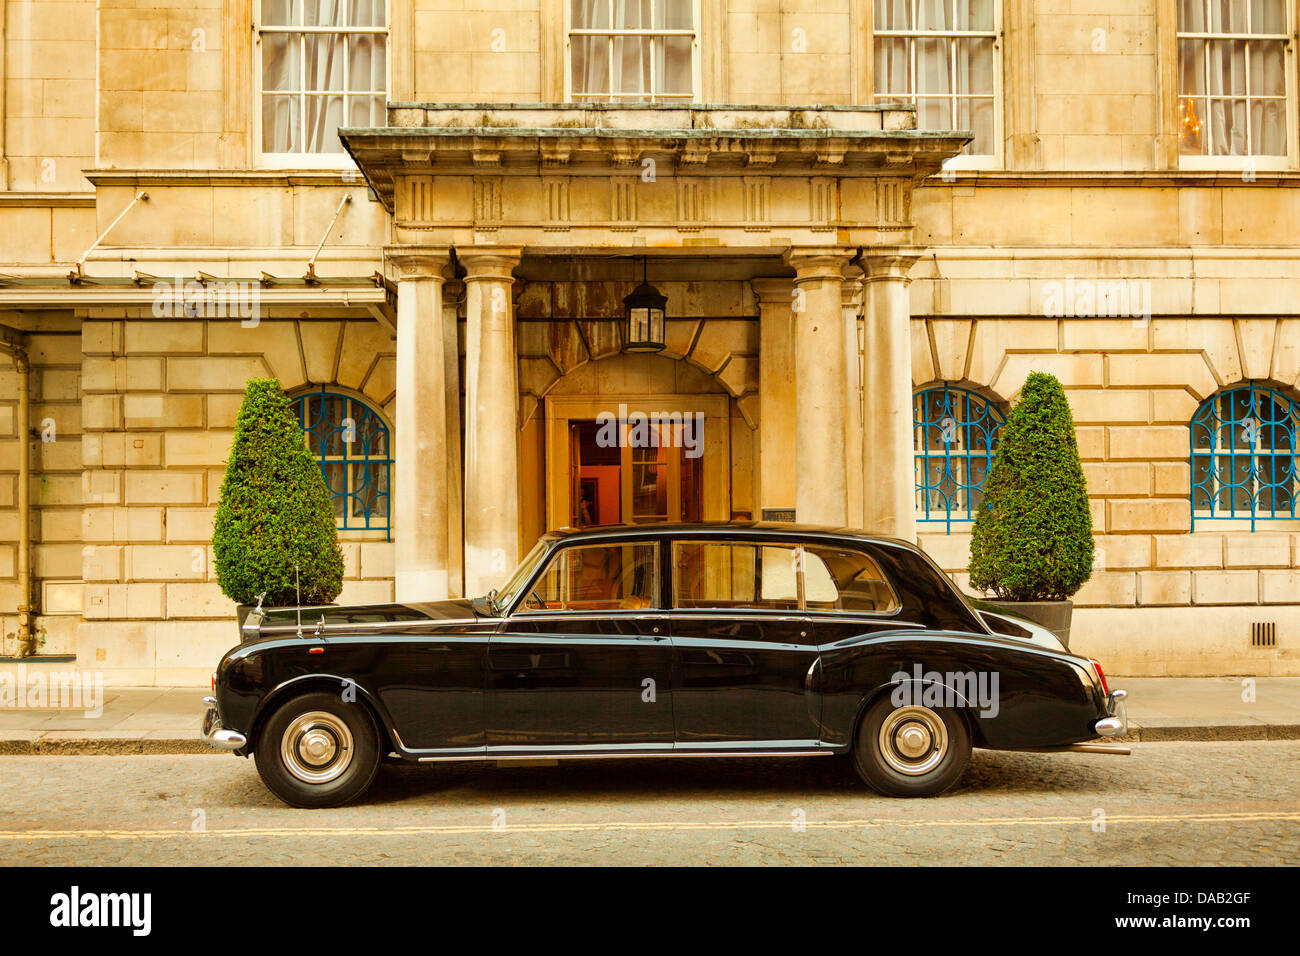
[316, 747]
[913, 740]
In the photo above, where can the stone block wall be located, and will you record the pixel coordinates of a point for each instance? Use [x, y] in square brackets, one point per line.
[159, 405]
[1133, 388]
[55, 492]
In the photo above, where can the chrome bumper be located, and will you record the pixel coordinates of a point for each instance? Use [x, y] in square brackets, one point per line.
[216, 735]
[1116, 723]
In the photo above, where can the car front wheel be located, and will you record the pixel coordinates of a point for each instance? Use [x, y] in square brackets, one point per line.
[317, 751]
[910, 751]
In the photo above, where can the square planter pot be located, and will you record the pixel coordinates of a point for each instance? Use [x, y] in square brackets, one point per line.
[1053, 615]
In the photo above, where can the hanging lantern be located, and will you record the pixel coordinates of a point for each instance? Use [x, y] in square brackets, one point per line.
[644, 317]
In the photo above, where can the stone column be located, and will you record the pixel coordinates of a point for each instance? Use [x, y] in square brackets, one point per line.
[889, 482]
[420, 494]
[491, 419]
[820, 403]
[776, 394]
[852, 299]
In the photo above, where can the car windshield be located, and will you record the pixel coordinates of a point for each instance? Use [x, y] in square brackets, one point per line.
[525, 571]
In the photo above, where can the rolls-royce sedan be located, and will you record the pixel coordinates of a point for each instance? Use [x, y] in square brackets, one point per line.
[704, 640]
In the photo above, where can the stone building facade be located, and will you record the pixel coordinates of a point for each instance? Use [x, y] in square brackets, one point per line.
[904, 208]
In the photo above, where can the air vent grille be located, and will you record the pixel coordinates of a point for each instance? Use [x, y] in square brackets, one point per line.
[1263, 634]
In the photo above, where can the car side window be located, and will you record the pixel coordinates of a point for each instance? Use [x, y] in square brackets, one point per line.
[840, 579]
[709, 574]
[597, 578]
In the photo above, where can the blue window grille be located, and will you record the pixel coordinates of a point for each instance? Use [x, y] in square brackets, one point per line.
[1243, 453]
[956, 436]
[354, 449]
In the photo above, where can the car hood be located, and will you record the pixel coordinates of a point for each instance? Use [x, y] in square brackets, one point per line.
[277, 620]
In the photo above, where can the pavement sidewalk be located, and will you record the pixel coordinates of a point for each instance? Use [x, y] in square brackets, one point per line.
[166, 719]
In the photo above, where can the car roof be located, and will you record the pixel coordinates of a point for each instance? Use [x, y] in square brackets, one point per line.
[723, 529]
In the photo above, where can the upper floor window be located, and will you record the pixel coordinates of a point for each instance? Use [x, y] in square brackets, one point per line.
[1232, 77]
[632, 50]
[354, 448]
[1244, 455]
[324, 64]
[956, 435]
[941, 56]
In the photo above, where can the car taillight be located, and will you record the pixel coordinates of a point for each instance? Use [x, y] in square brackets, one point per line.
[214, 680]
[1105, 689]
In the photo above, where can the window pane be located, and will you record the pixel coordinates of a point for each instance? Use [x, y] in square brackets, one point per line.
[674, 68]
[975, 66]
[1191, 113]
[1228, 16]
[632, 64]
[337, 484]
[324, 62]
[734, 575]
[1191, 68]
[365, 13]
[934, 114]
[1267, 16]
[369, 492]
[1227, 67]
[324, 116]
[280, 124]
[932, 68]
[604, 577]
[892, 67]
[975, 15]
[1228, 123]
[893, 14]
[590, 65]
[367, 111]
[366, 69]
[977, 115]
[674, 14]
[1267, 68]
[631, 14]
[934, 14]
[280, 67]
[325, 12]
[839, 579]
[589, 14]
[281, 13]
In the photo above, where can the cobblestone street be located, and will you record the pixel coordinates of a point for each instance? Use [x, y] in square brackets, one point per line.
[1192, 803]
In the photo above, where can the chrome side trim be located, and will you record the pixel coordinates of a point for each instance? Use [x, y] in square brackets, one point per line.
[823, 752]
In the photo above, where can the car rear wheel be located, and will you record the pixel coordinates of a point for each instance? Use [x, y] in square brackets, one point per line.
[910, 751]
[316, 751]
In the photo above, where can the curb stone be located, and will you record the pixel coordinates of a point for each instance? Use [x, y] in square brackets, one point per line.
[120, 746]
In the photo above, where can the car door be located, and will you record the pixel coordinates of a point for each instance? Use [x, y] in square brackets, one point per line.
[584, 661]
[744, 652]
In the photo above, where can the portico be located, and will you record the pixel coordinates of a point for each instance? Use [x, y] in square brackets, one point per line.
[782, 238]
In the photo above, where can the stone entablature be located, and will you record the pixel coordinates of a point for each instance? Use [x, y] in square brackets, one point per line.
[711, 176]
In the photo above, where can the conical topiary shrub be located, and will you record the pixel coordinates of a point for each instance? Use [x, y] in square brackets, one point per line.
[1033, 535]
[275, 509]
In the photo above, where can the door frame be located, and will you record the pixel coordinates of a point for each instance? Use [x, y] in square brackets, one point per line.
[715, 461]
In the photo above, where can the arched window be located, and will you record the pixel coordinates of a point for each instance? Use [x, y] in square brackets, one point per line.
[1244, 455]
[956, 435]
[352, 444]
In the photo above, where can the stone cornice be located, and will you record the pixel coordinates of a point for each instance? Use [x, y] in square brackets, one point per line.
[480, 140]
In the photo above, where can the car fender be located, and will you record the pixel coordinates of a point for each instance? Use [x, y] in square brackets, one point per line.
[1036, 697]
[303, 683]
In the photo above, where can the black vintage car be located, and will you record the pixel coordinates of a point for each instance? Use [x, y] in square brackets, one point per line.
[739, 639]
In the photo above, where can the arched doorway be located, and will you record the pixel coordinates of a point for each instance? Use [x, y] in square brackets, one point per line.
[637, 439]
